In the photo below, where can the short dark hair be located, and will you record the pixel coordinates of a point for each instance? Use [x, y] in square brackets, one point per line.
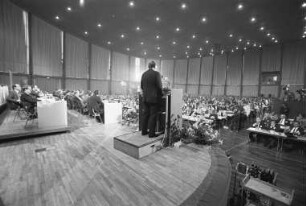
[96, 92]
[152, 65]
[14, 86]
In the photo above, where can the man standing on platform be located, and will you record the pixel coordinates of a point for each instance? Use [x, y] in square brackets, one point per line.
[152, 95]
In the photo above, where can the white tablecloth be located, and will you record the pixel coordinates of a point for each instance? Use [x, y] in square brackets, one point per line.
[52, 113]
[112, 112]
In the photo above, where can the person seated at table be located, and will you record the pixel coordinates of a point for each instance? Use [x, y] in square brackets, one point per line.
[254, 136]
[13, 98]
[28, 101]
[270, 141]
[295, 130]
[283, 122]
[94, 104]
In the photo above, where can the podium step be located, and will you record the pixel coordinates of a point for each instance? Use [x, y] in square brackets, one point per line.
[136, 145]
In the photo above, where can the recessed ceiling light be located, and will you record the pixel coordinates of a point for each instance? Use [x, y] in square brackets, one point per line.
[174, 57]
[68, 8]
[304, 4]
[158, 48]
[193, 36]
[99, 25]
[173, 42]
[127, 49]
[86, 32]
[82, 3]
[157, 36]
[240, 40]
[188, 47]
[137, 28]
[57, 17]
[177, 29]
[254, 45]
[253, 19]
[272, 38]
[276, 41]
[222, 51]
[303, 36]
[160, 56]
[268, 34]
[145, 53]
[240, 6]
[260, 45]
[200, 49]
[203, 19]
[109, 43]
[230, 35]
[305, 18]
[248, 43]
[183, 6]
[186, 53]
[237, 48]
[157, 18]
[245, 48]
[232, 50]
[141, 43]
[207, 41]
[262, 28]
[187, 56]
[212, 50]
[122, 36]
[304, 32]
[131, 4]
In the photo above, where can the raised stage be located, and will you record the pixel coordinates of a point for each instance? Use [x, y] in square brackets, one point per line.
[83, 168]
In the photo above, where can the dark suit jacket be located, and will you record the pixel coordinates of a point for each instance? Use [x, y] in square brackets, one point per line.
[94, 102]
[28, 101]
[151, 86]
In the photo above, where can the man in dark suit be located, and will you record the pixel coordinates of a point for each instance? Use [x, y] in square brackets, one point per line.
[295, 130]
[152, 95]
[28, 101]
[95, 104]
[13, 98]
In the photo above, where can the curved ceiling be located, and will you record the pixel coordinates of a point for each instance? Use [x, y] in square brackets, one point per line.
[187, 28]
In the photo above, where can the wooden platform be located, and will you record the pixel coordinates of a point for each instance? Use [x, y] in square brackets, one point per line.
[136, 145]
[10, 129]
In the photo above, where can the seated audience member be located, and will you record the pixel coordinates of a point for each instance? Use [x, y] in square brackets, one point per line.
[36, 91]
[94, 104]
[14, 97]
[258, 125]
[284, 110]
[28, 101]
[295, 130]
[283, 122]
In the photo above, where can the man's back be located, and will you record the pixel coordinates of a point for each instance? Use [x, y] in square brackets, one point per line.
[151, 86]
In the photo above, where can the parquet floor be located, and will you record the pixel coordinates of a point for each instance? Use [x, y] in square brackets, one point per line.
[82, 168]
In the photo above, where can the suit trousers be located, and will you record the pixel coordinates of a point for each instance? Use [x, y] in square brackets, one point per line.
[149, 117]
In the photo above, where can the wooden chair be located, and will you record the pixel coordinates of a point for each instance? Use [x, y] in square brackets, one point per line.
[20, 112]
[30, 116]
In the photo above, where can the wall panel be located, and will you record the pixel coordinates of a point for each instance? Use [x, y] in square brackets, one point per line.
[192, 89]
[194, 71]
[118, 89]
[205, 90]
[46, 47]
[207, 70]
[180, 86]
[76, 54]
[180, 71]
[120, 67]
[249, 91]
[233, 90]
[251, 67]
[294, 63]
[101, 85]
[75, 84]
[220, 70]
[48, 84]
[271, 58]
[167, 69]
[100, 63]
[13, 47]
[218, 90]
[136, 72]
[234, 69]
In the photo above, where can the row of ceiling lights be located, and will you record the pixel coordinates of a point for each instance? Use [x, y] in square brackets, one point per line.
[184, 6]
[304, 13]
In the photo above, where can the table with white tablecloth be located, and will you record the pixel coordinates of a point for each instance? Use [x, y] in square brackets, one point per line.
[112, 112]
[52, 113]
